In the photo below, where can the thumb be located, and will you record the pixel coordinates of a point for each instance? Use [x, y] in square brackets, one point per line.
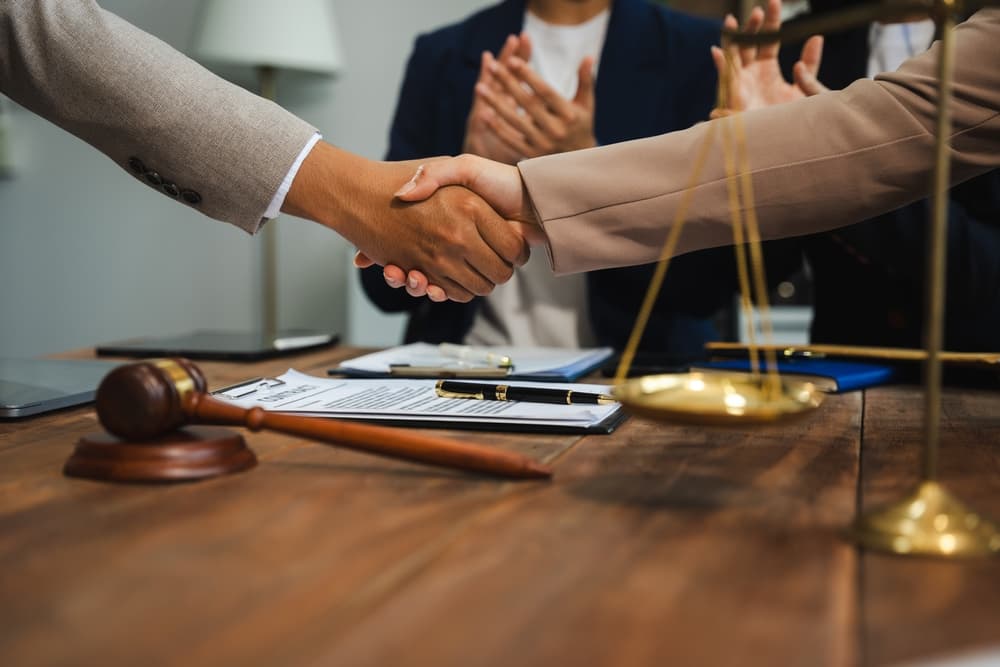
[806, 80]
[524, 49]
[431, 176]
[585, 87]
[362, 261]
[532, 233]
[812, 54]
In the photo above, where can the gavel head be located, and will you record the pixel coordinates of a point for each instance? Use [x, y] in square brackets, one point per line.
[145, 400]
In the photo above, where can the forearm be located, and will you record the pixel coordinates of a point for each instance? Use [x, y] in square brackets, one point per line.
[328, 189]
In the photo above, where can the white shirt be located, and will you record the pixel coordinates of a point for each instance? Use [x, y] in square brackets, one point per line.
[536, 307]
[892, 43]
[278, 200]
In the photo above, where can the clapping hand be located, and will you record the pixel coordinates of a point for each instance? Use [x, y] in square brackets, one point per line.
[480, 138]
[754, 73]
[529, 116]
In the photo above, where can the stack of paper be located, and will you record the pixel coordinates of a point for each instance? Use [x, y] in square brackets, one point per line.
[535, 363]
[414, 402]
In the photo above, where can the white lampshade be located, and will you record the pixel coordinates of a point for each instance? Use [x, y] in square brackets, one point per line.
[284, 34]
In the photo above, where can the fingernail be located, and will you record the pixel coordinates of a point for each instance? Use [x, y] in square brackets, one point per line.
[410, 184]
[412, 282]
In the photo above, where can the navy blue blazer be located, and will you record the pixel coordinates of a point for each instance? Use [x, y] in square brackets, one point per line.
[656, 75]
[868, 279]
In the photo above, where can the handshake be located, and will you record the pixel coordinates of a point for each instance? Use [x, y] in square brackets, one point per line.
[458, 226]
[512, 222]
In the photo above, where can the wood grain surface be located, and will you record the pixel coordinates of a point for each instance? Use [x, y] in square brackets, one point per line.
[656, 545]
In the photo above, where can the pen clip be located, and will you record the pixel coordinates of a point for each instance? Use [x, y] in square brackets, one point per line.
[448, 393]
[476, 353]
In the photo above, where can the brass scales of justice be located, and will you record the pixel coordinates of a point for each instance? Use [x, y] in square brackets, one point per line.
[929, 521]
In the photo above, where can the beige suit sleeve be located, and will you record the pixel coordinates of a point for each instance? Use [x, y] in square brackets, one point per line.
[139, 101]
[819, 163]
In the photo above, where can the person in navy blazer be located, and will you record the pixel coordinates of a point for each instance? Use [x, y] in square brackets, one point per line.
[656, 75]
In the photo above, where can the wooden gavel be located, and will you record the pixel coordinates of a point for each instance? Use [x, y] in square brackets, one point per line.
[146, 400]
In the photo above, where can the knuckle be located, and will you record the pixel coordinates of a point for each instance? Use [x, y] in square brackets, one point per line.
[505, 273]
[461, 296]
[483, 289]
[468, 207]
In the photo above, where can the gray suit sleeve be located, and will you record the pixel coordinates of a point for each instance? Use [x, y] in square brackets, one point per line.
[819, 163]
[165, 119]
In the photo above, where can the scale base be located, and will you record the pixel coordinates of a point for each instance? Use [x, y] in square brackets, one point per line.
[929, 522]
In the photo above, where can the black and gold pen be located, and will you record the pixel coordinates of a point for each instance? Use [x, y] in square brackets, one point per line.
[504, 392]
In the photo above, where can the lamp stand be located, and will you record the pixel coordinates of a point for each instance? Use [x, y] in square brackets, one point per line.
[5, 163]
[268, 248]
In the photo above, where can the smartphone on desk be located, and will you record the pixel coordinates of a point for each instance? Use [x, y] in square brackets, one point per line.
[647, 363]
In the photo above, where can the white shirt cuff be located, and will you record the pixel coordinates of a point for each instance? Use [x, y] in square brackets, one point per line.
[279, 197]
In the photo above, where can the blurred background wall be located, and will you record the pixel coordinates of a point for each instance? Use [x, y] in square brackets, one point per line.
[88, 256]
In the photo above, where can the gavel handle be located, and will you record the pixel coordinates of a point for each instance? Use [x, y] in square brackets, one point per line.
[205, 409]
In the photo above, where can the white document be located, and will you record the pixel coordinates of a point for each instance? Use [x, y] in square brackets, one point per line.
[400, 400]
[543, 363]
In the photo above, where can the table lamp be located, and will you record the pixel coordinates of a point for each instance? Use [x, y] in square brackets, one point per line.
[268, 36]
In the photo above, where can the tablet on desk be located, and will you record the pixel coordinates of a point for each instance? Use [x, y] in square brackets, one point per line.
[33, 386]
[225, 345]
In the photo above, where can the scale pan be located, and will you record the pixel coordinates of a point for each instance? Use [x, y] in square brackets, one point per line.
[717, 398]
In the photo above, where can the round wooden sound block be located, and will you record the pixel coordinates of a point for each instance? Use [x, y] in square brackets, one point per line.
[194, 452]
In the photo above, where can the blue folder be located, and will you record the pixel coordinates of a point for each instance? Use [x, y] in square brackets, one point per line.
[832, 375]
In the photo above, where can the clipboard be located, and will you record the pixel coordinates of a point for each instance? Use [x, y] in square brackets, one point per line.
[457, 371]
[338, 398]
[541, 364]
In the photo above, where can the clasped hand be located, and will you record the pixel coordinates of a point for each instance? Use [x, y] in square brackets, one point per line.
[465, 245]
[499, 185]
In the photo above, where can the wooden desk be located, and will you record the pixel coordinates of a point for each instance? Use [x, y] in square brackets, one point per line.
[656, 545]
